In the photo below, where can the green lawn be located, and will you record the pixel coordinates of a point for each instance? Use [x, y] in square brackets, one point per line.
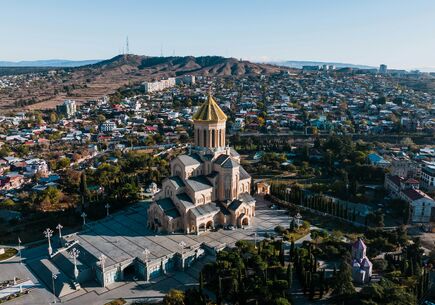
[9, 252]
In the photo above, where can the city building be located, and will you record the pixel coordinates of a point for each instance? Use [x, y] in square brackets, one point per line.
[428, 178]
[185, 79]
[405, 167]
[160, 85]
[208, 187]
[420, 203]
[107, 126]
[383, 69]
[377, 160]
[68, 108]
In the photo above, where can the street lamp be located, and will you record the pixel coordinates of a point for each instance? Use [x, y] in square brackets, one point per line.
[146, 253]
[49, 233]
[84, 218]
[59, 228]
[107, 206]
[182, 245]
[19, 250]
[74, 253]
[102, 259]
[53, 277]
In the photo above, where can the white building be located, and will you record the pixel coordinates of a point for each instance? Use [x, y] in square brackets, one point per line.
[428, 178]
[159, 85]
[421, 204]
[68, 108]
[107, 126]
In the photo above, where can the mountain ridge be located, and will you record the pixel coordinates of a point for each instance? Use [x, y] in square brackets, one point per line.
[104, 77]
[55, 63]
[298, 64]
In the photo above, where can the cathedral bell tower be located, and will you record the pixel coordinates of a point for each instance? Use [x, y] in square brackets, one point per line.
[209, 125]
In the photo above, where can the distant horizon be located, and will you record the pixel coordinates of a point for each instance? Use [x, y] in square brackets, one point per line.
[34, 61]
[393, 32]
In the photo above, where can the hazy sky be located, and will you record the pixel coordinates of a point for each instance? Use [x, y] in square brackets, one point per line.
[400, 33]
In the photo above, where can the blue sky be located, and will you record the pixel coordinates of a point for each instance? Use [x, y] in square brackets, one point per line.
[400, 33]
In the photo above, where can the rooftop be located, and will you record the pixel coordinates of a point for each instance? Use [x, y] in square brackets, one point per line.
[210, 112]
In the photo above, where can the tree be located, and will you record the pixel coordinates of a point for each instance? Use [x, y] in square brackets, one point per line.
[342, 285]
[201, 282]
[63, 162]
[290, 275]
[281, 301]
[53, 117]
[174, 297]
[84, 191]
[7, 203]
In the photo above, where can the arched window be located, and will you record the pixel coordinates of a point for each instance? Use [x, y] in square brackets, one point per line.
[220, 138]
[205, 138]
[213, 138]
[197, 136]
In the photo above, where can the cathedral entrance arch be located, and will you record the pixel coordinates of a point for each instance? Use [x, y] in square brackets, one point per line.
[201, 227]
[209, 225]
[245, 221]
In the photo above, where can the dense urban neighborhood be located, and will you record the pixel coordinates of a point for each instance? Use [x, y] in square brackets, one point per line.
[298, 186]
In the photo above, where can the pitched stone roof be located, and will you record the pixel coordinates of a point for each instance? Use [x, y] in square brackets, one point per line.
[198, 183]
[176, 181]
[168, 206]
[185, 200]
[244, 174]
[189, 160]
[205, 209]
[230, 163]
[210, 112]
[221, 159]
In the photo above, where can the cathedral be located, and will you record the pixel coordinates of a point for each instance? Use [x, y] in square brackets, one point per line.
[208, 187]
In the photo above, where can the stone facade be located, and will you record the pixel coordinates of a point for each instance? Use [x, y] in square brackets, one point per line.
[208, 187]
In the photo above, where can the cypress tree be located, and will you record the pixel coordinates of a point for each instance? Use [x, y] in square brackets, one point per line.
[219, 292]
[290, 275]
[201, 282]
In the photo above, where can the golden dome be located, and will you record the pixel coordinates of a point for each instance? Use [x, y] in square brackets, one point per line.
[210, 112]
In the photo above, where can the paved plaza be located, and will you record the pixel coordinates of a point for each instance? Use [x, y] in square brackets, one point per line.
[124, 236]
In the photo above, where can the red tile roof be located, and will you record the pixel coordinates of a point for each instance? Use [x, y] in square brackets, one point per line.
[395, 179]
[412, 181]
[415, 194]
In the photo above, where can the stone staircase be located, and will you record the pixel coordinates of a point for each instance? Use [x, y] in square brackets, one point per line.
[44, 269]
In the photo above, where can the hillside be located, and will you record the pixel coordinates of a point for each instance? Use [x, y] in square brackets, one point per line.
[98, 79]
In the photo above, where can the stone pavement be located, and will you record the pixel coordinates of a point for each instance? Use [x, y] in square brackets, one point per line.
[125, 232]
